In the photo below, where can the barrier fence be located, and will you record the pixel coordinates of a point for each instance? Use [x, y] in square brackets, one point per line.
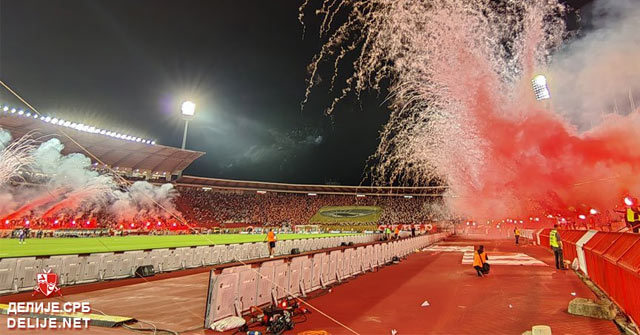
[233, 291]
[611, 260]
[19, 274]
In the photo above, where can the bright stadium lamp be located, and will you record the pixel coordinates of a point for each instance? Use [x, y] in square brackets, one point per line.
[188, 108]
[540, 88]
[188, 112]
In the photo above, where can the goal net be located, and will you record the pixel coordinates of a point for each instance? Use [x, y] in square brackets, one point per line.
[307, 229]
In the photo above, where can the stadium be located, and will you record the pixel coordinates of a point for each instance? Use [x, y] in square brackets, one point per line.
[493, 195]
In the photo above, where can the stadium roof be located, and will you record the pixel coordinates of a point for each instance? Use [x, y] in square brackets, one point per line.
[301, 188]
[115, 152]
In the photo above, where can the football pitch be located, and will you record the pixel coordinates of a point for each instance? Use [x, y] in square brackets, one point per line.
[66, 246]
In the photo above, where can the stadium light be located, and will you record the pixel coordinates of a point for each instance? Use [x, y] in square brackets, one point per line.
[628, 201]
[77, 126]
[582, 216]
[540, 88]
[188, 109]
[593, 211]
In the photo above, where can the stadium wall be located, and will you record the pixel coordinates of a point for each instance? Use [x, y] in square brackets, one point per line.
[19, 274]
[611, 260]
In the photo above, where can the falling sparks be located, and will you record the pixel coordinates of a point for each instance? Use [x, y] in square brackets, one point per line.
[463, 112]
[14, 156]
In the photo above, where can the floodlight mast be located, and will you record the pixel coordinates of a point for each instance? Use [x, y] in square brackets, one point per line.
[188, 112]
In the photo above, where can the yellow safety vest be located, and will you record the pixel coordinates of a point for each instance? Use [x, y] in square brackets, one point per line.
[631, 215]
[553, 239]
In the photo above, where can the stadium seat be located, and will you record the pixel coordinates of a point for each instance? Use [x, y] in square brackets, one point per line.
[307, 274]
[333, 263]
[7, 274]
[90, 268]
[295, 275]
[265, 281]
[224, 288]
[26, 270]
[316, 276]
[72, 266]
[247, 289]
[346, 263]
[281, 280]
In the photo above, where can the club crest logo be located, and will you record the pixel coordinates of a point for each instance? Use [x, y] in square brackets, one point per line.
[47, 283]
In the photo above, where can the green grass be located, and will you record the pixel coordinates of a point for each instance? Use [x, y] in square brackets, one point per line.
[347, 214]
[65, 246]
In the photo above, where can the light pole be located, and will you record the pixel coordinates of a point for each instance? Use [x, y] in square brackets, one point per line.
[188, 112]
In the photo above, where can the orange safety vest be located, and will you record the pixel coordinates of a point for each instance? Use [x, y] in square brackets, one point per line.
[478, 259]
[271, 236]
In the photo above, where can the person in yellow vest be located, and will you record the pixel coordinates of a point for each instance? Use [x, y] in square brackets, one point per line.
[632, 220]
[556, 245]
[480, 262]
[516, 232]
[271, 240]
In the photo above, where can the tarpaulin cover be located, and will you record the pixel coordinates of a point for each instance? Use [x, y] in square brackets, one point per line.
[629, 265]
[544, 237]
[569, 240]
[594, 251]
[612, 273]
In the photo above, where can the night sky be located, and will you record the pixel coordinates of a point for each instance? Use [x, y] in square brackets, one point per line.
[127, 65]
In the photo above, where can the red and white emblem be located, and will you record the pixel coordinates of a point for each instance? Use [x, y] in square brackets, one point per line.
[47, 283]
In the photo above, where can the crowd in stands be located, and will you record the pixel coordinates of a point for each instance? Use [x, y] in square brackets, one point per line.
[211, 208]
[229, 211]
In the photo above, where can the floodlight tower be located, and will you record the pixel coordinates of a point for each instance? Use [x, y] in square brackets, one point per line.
[188, 112]
[541, 90]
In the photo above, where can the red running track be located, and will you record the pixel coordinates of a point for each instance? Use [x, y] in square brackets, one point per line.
[375, 303]
[460, 302]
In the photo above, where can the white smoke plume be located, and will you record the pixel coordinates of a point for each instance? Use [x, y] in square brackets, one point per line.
[599, 72]
[67, 185]
[144, 200]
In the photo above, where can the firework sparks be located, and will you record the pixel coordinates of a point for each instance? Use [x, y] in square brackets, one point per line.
[462, 109]
[14, 156]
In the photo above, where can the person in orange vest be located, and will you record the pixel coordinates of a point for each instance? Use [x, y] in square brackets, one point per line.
[397, 232]
[516, 232]
[480, 261]
[271, 240]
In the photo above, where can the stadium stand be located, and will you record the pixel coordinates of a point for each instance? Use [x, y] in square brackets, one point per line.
[216, 207]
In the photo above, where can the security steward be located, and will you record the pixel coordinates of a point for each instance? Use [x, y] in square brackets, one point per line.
[632, 220]
[516, 232]
[271, 240]
[556, 245]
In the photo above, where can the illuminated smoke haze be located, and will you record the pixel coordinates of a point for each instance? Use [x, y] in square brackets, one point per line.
[67, 186]
[462, 107]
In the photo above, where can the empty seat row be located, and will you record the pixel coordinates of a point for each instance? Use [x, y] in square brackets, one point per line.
[235, 290]
[19, 274]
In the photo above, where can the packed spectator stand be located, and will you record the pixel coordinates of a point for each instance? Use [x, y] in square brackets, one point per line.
[209, 207]
[215, 209]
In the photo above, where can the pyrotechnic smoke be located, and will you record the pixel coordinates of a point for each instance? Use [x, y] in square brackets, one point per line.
[66, 185]
[142, 199]
[463, 111]
[599, 72]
